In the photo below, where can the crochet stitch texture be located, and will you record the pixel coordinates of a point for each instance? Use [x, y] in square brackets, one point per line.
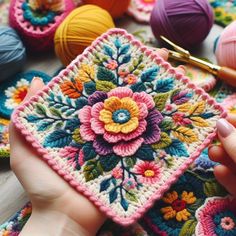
[119, 124]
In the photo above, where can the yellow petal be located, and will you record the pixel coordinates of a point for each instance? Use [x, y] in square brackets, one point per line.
[130, 126]
[188, 197]
[105, 116]
[168, 212]
[113, 127]
[112, 104]
[182, 215]
[131, 106]
[170, 197]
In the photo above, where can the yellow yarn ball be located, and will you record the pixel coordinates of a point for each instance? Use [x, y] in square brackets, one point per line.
[80, 28]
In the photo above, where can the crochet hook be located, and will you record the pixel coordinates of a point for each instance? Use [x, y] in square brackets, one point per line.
[226, 74]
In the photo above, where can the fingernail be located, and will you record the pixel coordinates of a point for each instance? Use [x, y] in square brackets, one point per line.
[37, 79]
[224, 128]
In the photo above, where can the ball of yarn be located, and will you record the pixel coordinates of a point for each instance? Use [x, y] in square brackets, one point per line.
[81, 27]
[115, 7]
[37, 20]
[186, 23]
[226, 47]
[12, 53]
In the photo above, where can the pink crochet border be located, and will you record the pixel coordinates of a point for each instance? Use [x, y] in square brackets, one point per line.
[68, 177]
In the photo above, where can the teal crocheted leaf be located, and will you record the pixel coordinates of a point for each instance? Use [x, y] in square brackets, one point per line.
[124, 49]
[105, 75]
[90, 87]
[126, 59]
[108, 50]
[124, 204]
[145, 153]
[32, 118]
[92, 170]
[150, 74]
[164, 85]
[177, 148]
[58, 138]
[80, 103]
[113, 195]
[109, 162]
[206, 115]
[117, 43]
[72, 124]
[88, 151]
[138, 87]
[44, 125]
[104, 185]
[194, 206]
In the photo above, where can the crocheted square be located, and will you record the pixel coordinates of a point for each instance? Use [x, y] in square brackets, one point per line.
[217, 217]
[13, 91]
[225, 11]
[141, 9]
[175, 213]
[4, 139]
[119, 124]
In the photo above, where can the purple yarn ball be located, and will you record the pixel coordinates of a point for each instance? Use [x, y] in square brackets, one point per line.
[185, 22]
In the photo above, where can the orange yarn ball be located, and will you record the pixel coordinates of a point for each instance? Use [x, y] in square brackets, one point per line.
[115, 7]
[80, 28]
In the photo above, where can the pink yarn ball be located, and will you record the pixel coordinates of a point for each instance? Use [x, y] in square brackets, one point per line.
[185, 22]
[37, 38]
[226, 47]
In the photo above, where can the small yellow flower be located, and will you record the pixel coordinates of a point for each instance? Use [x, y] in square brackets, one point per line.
[177, 208]
[86, 73]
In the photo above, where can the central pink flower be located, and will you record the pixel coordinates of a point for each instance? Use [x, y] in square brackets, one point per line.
[120, 121]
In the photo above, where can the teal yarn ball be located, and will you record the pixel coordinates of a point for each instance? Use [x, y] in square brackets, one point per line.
[12, 53]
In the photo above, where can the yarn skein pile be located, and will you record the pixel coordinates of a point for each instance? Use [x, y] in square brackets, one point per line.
[37, 20]
[186, 23]
[12, 53]
[81, 27]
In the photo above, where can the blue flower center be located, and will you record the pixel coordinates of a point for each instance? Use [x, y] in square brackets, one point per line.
[38, 18]
[121, 116]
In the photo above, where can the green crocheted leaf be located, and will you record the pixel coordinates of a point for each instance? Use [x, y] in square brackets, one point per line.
[104, 86]
[55, 112]
[212, 189]
[92, 170]
[40, 109]
[131, 196]
[166, 125]
[77, 137]
[130, 161]
[164, 142]
[188, 228]
[160, 100]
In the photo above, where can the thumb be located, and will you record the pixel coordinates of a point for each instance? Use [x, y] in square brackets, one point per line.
[227, 136]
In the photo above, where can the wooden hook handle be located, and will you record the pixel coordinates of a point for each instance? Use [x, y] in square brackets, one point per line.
[228, 75]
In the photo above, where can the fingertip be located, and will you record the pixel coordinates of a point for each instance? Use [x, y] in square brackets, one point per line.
[163, 52]
[215, 153]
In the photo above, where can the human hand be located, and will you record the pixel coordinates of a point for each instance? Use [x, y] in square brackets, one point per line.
[225, 154]
[57, 208]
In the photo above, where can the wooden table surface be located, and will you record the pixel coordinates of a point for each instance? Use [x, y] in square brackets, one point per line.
[12, 195]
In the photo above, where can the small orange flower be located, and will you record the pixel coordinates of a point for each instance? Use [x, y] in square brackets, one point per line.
[72, 89]
[130, 79]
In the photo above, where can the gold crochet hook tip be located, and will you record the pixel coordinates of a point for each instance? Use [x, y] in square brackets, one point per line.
[180, 54]
[176, 47]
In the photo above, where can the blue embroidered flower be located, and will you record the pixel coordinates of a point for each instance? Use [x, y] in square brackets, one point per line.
[204, 162]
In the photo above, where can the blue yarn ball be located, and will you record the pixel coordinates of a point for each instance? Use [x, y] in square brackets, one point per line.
[12, 53]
